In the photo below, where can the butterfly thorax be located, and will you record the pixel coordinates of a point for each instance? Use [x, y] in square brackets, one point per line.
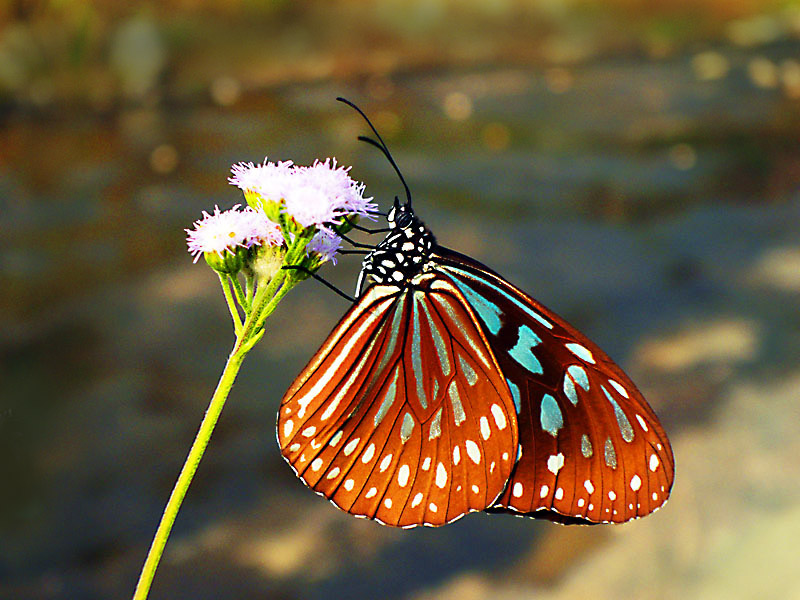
[403, 252]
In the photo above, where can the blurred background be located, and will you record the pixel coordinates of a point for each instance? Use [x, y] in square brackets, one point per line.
[633, 164]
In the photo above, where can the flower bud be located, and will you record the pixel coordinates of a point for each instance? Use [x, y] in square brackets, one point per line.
[229, 262]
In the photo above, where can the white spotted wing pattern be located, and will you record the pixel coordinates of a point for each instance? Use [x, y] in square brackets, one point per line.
[403, 415]
[591, 448]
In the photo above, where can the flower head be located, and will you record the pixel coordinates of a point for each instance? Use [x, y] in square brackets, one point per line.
[315, 196]
[268, 180]
[325, 245]
[225, 232]
[263, 232]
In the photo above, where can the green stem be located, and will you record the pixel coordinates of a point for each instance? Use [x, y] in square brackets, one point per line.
[188, 471]
[258, 306]
[249, 287]
[237, 321]
[240, 297]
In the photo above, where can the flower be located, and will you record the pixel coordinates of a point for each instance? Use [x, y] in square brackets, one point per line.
[226, 231]
[325, 244]
[268, 180]
[263, 232]
[315, 196]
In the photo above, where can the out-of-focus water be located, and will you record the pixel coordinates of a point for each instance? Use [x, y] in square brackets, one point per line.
[653, 202]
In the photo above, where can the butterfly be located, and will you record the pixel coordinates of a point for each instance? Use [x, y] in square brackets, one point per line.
[445, 389]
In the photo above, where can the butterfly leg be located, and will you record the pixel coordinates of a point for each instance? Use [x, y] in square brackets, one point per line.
[320, 279]
[356, 244]
[365, 229]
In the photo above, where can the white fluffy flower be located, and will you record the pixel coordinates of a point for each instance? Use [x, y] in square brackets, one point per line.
[318, 195]
[224, 231]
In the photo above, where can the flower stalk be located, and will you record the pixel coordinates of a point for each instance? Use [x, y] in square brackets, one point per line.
[292, 221]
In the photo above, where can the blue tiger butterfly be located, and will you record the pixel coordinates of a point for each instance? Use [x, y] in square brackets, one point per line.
[445, 389]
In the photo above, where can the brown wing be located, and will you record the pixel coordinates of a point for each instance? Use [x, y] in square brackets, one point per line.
[403, 415]
[591, 448]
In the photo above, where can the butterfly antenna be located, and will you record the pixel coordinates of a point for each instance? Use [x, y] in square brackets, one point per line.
[380, 145]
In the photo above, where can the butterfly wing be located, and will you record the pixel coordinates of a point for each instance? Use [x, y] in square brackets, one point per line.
[591, 448]
[403, 415]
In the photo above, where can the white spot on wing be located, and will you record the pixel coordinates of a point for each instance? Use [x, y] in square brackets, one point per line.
[499, 416]
[636, 483]
[387, 460]
[544, 491]
[287, 428]
[416, 501]
[617, 386]
[641, 422]
[335, 439]
[402, 475]
[517, 492]
[432, 507]
[555, 462]
[426, 464]
[316, 464]
[473, 451]
[612, 495]
[589, 486]
[456, 455]
[653, 462]
[485, 431]
[581, 352]
[387, 503]
[372, 491]
[581, 502]
[368, 453]
[475, 489]
[559, 493]
[351, 446]
[334, 473]
[294, 447]
[441, 475]
[348, 485]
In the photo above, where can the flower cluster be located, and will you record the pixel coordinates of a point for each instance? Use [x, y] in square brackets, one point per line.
[226, 231]
[315, 196]
[305, 199]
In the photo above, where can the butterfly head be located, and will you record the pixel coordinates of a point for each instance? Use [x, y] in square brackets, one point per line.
[403, 252]
[400, 216]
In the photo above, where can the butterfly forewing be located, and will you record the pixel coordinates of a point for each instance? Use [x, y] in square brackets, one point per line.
[591, 449]
[403, 415]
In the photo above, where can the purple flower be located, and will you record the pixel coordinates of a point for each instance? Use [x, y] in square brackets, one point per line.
[315, 196]
[222, 232]
[268, 180]
[325, 244]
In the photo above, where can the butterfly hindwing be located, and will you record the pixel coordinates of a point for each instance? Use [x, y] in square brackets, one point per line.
[591, 449]
[403, 415]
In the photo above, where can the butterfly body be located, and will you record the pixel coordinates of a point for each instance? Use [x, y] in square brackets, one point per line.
[445, 390]
[402, 254]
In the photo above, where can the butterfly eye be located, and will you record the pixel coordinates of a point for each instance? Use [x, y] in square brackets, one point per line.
[404, 219]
